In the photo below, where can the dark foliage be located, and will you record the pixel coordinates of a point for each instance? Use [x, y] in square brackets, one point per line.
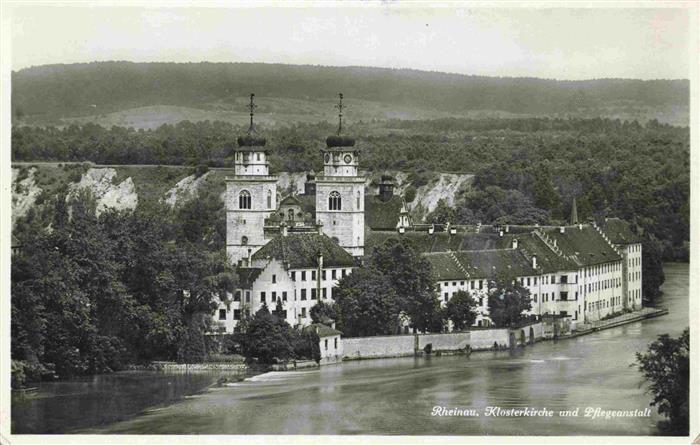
[666, 367]
[461, 309]
[507, 300]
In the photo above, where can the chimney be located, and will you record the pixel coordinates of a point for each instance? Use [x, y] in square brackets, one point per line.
[283, 228]
[333, 324]
[534, 261]
[561, 229]
[580, 226]
[319, 258]
[507, 228]
[500, 233]
[319, 227]
[515, 243]
[431, 229]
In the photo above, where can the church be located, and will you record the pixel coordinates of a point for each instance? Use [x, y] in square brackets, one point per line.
[295, 250]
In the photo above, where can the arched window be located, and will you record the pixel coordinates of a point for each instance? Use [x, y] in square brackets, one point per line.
[334, 202]
[244, 199]
[269, 199]
[244, 240]
[358, 200]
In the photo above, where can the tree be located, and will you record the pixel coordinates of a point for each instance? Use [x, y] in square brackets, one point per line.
[410, 275]
[652, 268]
[442, 214]
[323, 312]
[507, 300]
[268, 338]
[666, 367]
[367, 304]
[461, 309]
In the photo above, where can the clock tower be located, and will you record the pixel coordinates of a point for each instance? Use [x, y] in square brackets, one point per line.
[340, 191]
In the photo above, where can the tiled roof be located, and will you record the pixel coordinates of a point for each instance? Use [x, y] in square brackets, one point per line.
[300, 251]
[585, 246]
[619, 231]
[322, 330]
[380, 215]
[462, 265]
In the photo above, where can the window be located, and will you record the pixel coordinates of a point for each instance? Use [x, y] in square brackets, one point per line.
[284, 296]
[472, 285]
[335, 343]
[247, 296]
[269, 199]
[454, 283]
[325, 344]
[244, 240]
[262, 297]
[303, 312]
[481, 284]
[324, 293]
[535, 298]
[344, 273]
[563, 296]
[323, 274]
[528, 281]
[313, 275]
[244, 199]
[294, 276]
[447, 296]
[303, 275]
[274, 297]
[237, 295]
[257, 156]
[222, 314]
[333, 275]
[564, 279]
[313, 293]
[461, 283]
[274, 278]
[358, 200]
[303, 294]
[236, 314]
[334, 202]
[535, 281]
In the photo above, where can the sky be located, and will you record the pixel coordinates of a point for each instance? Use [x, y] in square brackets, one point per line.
[558, 43]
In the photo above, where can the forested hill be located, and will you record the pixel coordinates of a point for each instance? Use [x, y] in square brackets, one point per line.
[54, 92]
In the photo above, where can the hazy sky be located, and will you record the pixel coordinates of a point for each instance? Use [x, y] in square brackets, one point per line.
[553, 43]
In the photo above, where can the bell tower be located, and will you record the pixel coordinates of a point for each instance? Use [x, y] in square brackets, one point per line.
[340, 191]
[251, 194]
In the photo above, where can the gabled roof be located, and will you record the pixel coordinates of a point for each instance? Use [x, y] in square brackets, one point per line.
[247, 276]
[619, 231]
[290, 200]
[322, 330]
[300, 251]
[380, 215]
[464, 265]
[585, 246]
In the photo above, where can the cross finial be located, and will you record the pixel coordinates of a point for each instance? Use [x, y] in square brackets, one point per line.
[340, 107]
[252, 107]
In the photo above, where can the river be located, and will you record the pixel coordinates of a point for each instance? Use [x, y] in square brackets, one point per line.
[385, 396]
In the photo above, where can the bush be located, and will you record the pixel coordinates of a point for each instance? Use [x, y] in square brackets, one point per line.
[410, 194]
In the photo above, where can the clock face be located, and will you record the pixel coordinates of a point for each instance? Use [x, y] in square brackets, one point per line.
[347, 159]
[328, 158]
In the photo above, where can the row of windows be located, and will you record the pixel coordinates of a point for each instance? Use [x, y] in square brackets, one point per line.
[303, 275]
[636, 294]
[635, 248]
[335, 201]
[601, 269]
[633, 276]
[601, 285]
[245, 200]
[603, 304]
[335, 343]
[634, 261]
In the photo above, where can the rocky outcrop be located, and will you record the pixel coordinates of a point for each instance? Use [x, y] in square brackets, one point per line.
[24, 193]
[184, 190]
[99, 182]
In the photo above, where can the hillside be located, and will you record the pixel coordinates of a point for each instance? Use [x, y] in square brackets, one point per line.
[145, 95]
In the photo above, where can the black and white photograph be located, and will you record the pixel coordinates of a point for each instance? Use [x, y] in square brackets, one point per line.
[272, 222]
